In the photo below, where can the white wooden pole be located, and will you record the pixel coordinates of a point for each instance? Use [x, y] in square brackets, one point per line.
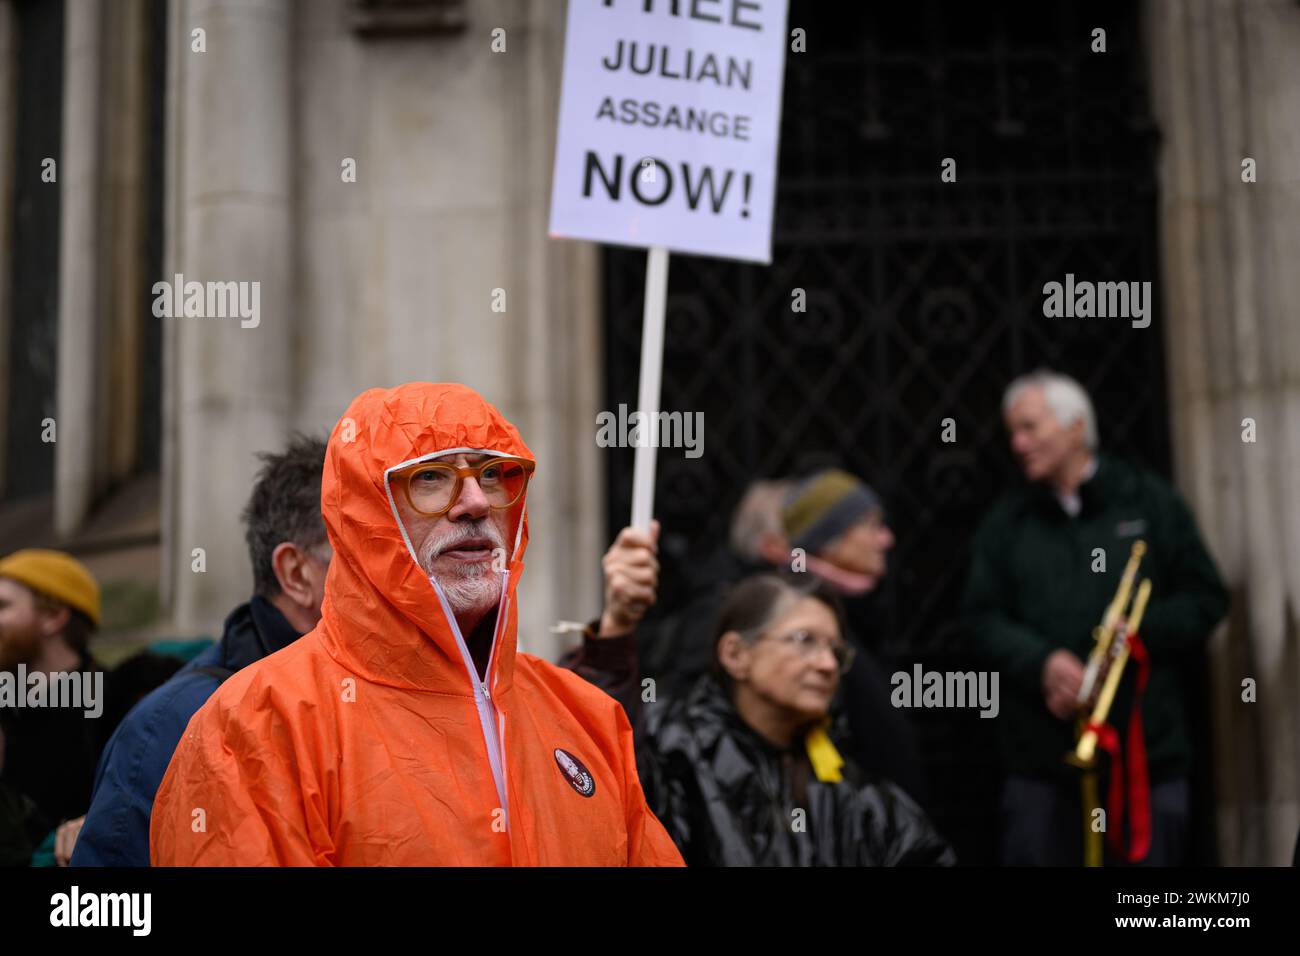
[652, 358]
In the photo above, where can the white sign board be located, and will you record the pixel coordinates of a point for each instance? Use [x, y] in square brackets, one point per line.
[670, 116]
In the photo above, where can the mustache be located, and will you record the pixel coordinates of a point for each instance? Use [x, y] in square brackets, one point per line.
[456, 535]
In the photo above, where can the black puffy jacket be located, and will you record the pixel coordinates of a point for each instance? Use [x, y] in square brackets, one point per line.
[729, 797]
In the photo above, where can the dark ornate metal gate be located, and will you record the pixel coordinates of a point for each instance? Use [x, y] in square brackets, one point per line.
[924, 299]
[29, 377]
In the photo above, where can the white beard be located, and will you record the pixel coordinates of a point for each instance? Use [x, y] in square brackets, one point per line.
[476, 592]
[474, 589]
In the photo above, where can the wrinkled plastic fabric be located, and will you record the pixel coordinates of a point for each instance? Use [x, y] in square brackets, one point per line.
[361, 743]
[727, 798]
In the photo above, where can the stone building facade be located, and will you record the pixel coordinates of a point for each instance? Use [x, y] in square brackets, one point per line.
[229, 130]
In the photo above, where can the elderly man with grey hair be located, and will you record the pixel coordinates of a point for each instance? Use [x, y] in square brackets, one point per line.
[1044, 566]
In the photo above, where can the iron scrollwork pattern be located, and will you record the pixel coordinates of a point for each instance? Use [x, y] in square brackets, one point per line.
[924, 298]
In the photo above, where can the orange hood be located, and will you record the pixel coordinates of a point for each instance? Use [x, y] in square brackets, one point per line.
[382, 616]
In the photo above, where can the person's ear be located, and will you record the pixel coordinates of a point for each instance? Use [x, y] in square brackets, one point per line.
[54, 620]
[289, 562]
[734, 655]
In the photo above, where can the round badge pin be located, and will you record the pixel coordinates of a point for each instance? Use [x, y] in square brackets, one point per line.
[575, 772]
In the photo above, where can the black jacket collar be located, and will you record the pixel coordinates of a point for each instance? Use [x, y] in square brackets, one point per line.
[253, 631]
[1093, 493]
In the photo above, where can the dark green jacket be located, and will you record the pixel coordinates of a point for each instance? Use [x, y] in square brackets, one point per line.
[1032, 590]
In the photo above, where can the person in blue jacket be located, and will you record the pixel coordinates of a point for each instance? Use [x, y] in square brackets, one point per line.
[290, 555]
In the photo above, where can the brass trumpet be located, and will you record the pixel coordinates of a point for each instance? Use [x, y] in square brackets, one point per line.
[1101, 679]
[1109, 654]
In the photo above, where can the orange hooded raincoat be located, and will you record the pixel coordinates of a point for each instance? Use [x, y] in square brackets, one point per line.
[370, 740]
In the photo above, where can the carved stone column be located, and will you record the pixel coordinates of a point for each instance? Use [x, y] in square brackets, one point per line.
[228, 388]
[81, 275]
[1226, 91]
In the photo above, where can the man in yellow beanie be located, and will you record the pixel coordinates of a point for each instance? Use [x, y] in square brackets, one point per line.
[49, 608]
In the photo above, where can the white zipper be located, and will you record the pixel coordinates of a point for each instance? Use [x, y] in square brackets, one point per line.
[487, 712]
[482, 696]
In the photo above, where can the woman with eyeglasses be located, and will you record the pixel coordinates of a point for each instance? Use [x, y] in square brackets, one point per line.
[745, 769]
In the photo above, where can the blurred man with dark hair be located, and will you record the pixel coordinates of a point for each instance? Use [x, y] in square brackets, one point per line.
[49, 608]
[290, 556]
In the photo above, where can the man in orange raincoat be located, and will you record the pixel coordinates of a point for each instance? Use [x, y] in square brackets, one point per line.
[406, 729]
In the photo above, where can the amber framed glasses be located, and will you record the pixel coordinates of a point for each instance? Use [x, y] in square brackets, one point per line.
[432, 487]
